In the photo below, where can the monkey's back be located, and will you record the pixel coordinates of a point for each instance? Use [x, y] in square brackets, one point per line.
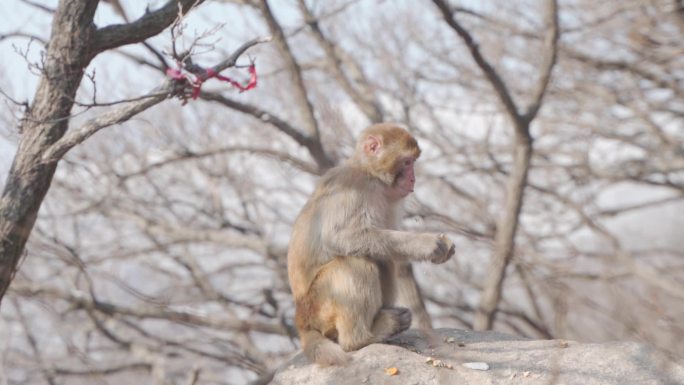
[345, 196]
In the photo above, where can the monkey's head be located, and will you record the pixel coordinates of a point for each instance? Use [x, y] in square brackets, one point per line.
[389, 152]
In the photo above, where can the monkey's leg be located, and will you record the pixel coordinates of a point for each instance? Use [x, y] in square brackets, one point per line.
[399, 289]
[362, 318]
[353, 298]
[410, 296]
[391, 321]
[353, 335]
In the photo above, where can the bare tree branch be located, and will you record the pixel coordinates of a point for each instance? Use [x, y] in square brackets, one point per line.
[267, 152]
[124, 113]
[22, 35]
[364, 100]
[487, 69]
[666, 82]
[550, 51]
[232, 59]
[522, 153]
[119, 115]
[299, 90]
[150, 24]
[102, 371]
[85, 302]
[28, 179]
[48, 372]
[73, 44]
[311, 144]
[39, 6]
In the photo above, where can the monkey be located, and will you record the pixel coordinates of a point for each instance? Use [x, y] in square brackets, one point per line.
[345, 253]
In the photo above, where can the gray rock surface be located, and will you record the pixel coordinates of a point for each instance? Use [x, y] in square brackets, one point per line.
[509, 360]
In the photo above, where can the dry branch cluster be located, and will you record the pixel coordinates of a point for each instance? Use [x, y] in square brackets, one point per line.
[553, 154]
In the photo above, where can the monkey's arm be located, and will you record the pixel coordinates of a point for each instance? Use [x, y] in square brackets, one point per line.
[350, 216]
[356, 238]
[405, 246]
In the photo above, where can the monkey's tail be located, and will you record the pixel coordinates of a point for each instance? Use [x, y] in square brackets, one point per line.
[321, 350]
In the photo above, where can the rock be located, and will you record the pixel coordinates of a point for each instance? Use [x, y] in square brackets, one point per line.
[477, 365]
[508, 360]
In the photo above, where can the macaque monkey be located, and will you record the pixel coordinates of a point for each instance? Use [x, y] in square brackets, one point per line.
[345, 255]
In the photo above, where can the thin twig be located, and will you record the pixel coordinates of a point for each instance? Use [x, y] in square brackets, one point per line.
[549, 61]
[232, 59]
[489, 71]
[119, 115]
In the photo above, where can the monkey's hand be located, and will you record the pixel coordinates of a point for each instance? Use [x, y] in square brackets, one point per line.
[444, 249]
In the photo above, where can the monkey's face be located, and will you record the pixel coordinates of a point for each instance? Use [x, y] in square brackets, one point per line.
[405, 178]
[388, 152]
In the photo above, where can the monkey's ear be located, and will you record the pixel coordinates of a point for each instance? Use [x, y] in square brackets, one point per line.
[372, 145]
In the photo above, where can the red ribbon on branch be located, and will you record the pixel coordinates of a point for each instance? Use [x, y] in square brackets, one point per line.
[196, 80]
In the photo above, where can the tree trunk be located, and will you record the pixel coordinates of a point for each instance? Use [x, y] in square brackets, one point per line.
[29, 178]
[505, 235]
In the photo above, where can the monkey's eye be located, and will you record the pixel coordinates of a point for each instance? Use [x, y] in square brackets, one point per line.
[408, 162]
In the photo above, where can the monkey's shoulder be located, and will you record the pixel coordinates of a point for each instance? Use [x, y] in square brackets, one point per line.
[346, 178]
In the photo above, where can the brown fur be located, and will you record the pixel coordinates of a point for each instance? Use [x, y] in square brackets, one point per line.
[344, 251]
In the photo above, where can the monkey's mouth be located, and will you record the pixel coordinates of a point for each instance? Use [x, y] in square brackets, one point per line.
[405, 190]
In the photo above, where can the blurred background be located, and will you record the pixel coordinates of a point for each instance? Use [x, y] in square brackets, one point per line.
[159, 253]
